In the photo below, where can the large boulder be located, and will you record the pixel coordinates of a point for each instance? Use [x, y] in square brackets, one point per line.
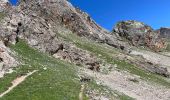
[139, 34]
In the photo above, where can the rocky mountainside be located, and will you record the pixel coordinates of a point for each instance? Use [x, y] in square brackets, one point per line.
[140, 34]
[59, 52]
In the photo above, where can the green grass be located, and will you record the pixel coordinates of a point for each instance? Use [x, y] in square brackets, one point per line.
[107, 53]
[58, 82]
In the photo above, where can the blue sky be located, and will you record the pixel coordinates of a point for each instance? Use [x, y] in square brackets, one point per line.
[108, 12]
[13, 1]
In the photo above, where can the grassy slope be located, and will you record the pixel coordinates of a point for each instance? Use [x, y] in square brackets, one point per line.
[58, 82]
[107, 53]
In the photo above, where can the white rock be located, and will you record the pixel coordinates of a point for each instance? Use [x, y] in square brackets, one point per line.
[45, 68]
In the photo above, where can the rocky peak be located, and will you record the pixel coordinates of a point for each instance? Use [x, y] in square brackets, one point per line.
[140, 34]
[129, 28]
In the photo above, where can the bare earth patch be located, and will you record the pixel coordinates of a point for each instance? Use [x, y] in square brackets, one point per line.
[124, 82]
[16, 82]
[153, 57]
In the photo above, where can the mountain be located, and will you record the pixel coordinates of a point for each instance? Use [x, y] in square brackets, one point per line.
[51, 50]
[140, 34]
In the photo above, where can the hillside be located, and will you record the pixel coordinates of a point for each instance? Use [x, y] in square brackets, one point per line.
[50, 50]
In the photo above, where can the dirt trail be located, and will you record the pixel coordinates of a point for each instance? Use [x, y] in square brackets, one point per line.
[122, 82]
[16, 82]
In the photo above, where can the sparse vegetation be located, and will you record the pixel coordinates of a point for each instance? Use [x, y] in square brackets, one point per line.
[114, 95]
[107, 54]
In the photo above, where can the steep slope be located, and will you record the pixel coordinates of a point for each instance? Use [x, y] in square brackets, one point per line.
[62, 13]
[74, 58]
[54, 79]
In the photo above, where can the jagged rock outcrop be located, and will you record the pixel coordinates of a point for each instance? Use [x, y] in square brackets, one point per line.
[164, 32]
[7, 61]
[9, 28]
[78, 56]
[140, 34]
[62, 13]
